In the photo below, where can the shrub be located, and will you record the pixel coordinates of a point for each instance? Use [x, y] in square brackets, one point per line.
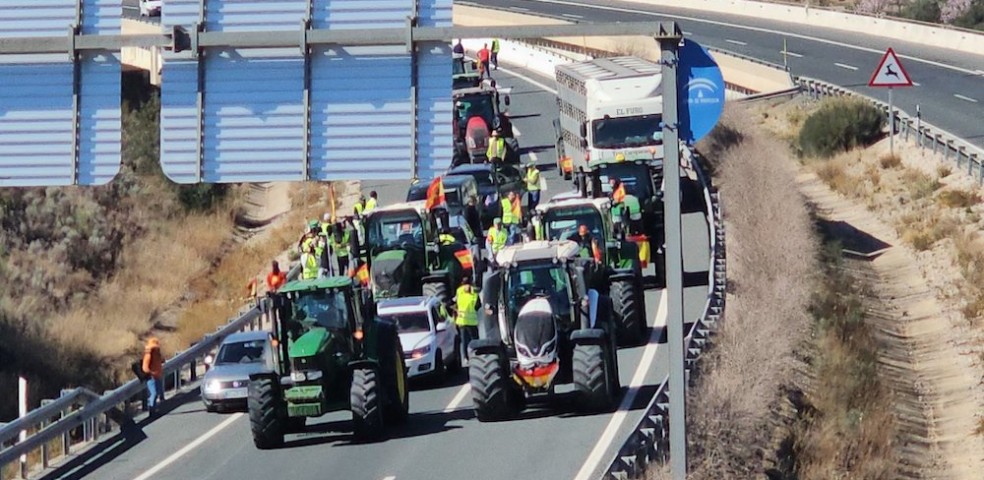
[201, 196]
[958, 198]
[840, 125]
[923, 11]
[890, 160]
[920, 185]
[973, 17]
[944, 171]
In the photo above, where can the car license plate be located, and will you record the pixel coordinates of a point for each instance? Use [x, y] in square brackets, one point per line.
[234, 393]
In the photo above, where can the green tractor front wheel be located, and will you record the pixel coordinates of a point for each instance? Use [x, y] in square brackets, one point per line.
[267, 412]
[366, 402]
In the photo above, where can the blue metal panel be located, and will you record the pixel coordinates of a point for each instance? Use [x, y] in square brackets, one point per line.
[179, 121]
[36, 98]
[434, 110]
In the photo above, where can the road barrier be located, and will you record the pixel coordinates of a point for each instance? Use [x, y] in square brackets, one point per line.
[56, 422]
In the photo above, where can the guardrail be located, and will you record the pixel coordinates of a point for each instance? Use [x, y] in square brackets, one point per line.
[55, 421]
[968, 157]
[649, 440]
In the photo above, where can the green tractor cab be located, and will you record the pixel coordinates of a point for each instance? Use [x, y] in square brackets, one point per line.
[330, 354]
[619, 271]
[406, 257]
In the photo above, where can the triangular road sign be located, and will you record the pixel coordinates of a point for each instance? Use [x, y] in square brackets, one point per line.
[890, 72]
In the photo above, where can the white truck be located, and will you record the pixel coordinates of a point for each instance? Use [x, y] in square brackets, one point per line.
[610, 111]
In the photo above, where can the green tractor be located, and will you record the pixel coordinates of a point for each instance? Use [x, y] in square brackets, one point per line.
[331, 354]
[405, 256]
[617, 271]
[644, 180]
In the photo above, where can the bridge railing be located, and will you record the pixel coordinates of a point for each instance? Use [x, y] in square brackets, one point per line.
[80, 416]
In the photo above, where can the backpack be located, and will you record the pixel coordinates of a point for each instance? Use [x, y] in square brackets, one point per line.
[137, 368]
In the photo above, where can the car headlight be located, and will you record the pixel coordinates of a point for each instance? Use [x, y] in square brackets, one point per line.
[213, 386]
[420, 351]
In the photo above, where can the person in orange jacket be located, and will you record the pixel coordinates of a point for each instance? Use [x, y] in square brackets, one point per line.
[153, 367]
[276, 278]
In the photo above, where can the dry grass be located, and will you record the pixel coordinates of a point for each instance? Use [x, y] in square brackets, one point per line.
[943, 171]
[958, 198]
[890, 160]
[836, 173]
[919, 184]
[771, 260]
[922, 231]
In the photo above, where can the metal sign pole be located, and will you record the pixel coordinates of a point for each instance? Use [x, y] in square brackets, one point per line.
[674, 259]
[891, 124]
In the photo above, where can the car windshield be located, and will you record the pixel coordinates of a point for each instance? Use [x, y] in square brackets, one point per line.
[415, 322]
[636, 178]
[323, 308]
[625, 132]
[545, 280]
[562, 222]
[387, 230]
[241, 352]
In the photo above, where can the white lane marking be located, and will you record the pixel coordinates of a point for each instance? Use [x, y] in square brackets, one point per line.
[571, 15]
[979, 72]
[535, 83]
[605, 441]
[916, 84]
[735, 42]
[519, 9]
[965, 98]
[791, 54]
[516, 132]
[843, 65]
[687, 33]
[391, 477]
[758, 29]
[458, 399]
[189, 447]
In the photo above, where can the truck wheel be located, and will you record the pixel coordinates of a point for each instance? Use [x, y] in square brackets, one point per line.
[593, 377]
[630, 325]
[267, 413]
[391, 360]
[438, 290]
[367, 413]
[490, 387]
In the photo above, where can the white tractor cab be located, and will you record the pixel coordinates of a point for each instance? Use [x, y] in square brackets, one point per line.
[427, 333]
[542, 326]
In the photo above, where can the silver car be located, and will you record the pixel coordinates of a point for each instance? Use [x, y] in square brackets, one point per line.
[240, 355]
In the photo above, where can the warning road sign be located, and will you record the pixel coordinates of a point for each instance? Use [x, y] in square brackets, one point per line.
[890, 72]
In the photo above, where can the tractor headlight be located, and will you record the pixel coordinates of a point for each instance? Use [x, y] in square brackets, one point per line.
[310, 376]
[420, 351]
[298, 376]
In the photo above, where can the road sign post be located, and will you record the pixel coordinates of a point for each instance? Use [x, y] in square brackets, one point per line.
[890, 74]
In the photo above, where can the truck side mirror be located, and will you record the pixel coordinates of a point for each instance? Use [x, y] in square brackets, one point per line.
[584, 130]
[584, 142]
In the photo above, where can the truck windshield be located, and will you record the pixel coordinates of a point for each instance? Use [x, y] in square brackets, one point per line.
[626, 132]
[392, 229]
[562, 223]
[324, 309]
[543, 280]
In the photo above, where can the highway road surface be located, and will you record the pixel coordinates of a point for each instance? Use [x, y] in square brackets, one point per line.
[442, 439]
[950, 90]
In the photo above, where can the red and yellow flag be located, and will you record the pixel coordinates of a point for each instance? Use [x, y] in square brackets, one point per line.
[435, 194]
[618, 196]
[643, 242]
[464, 257]
[363, 274]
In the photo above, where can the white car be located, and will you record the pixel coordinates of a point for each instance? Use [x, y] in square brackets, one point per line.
[150, 8]
[430, 341]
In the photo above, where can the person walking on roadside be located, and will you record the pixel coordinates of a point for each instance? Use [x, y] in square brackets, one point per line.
[466, 313]
[495, 53]
[276, 278]
[532, 186]
[153, 368]
[484, 56]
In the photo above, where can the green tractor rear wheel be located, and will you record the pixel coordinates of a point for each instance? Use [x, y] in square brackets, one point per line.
[630, 323]
[593, 377]
[438, 290]
[267, 413]
[367, 410]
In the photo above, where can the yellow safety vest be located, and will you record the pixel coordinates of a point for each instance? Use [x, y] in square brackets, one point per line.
[370, 205]
[309, 267]
[497, 148]
[533, 179]
[358, 208]
[325, 226]
[467, 307]
[495, 45]
[509, 217]
[446, 239]
[497, 238]
[341, 247]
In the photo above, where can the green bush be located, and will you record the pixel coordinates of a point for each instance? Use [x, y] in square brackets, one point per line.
[840, 125]
[973, 18]
[923, 11]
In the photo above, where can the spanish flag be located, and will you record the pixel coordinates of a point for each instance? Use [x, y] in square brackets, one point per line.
[363, 274]
[618, 196]
[464, 258]
[435, 194]
[643, 242]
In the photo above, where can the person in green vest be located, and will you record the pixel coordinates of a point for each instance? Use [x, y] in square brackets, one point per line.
[496, 238]
[466, 313]
[495, 53]
[325, 225]
[360, 206]
[532, 186]
[340, 238]
[512, 214]
[309, 264]
[633, 210]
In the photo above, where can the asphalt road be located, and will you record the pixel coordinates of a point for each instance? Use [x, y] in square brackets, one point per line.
[951, 84]
[442, 438]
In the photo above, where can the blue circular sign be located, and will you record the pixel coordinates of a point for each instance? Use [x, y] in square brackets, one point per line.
[701, 87]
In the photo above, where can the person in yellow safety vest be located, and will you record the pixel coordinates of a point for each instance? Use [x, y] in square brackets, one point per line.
[497, 148]
[496, 238]
[309, 236]
[371, 203]
[495, 53]
[466, 313]
[445, 237]
[360, 206]
[532, 186]
[512, 213]
[309, 264]
[325, 225]
[340, 238]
